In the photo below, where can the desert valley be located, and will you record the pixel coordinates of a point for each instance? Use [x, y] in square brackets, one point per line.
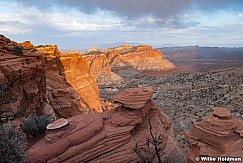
[121, 104]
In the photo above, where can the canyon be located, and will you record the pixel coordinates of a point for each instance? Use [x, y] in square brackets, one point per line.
[92, 91]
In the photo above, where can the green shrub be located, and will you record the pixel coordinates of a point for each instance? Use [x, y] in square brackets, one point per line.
[18, 50]
[35, 125]
[12, 144]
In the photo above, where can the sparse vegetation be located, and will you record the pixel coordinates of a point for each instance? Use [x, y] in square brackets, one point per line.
[145, 154]
[35, 125]
[18, 50]
[12, 144]
[6, 115]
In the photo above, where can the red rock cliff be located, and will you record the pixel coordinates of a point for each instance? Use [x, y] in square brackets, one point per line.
[70, 83]
[142, 57]
[22, 79]
[139, 57]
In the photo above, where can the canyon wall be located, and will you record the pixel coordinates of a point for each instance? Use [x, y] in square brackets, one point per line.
[70, 82]
[103, 62]
[41, 80]
[22, 79]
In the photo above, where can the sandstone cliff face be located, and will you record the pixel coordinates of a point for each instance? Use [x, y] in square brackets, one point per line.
[70, 83]
[100, 66]
[111, 136]
[22, 80]
[219, 134]
[141, 57]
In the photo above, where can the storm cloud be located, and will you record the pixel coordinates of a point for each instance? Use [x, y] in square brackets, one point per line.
[138, 8]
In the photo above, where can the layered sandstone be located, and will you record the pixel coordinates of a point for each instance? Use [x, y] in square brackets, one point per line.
[70, 83]
[219, 134]
[23, 80]
[139, 57]
[112, 136]
[100, 66]
[103, 62]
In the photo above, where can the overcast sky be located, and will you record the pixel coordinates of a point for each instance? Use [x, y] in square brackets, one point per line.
[81, 24]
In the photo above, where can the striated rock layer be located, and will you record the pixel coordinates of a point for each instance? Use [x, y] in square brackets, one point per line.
[70, 83]
[110, 136]
[103, 62]
[100, 66]
[219, 134]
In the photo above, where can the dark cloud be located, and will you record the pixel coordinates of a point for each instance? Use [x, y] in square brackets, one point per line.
[137, 8]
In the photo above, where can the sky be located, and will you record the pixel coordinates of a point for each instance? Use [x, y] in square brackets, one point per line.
[82, 24]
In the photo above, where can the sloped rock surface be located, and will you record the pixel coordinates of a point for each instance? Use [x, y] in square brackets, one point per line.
[219, 134]
[109, 137]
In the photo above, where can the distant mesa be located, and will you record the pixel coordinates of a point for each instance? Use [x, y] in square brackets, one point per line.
[104, 62]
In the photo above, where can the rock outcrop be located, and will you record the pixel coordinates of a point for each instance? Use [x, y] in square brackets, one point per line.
[27, 45]
[219, 134]
[22, 80]
[70, 83]
[120, 135]
[99, 65]
[139, 57]
[103, 62]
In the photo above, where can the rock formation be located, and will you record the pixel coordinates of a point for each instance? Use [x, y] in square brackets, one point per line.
[70, 83]
[111, 136]
[103, 62]
[219, 134]
[40, 79]
[26, 45]
[99, 65]
[139, 57]
[22, 80]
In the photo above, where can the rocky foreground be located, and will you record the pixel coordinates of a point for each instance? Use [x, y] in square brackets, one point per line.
[189, 97]
[124, 134]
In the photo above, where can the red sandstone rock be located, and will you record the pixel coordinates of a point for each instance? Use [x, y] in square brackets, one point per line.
[70, 83]
[26, 45]
[142, 57]
[109, 136]
[217, 135]
[134, 98]
[22, 80]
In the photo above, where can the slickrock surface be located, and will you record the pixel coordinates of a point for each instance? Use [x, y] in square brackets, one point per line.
[22, 80]
[219, 134]
[110, 136]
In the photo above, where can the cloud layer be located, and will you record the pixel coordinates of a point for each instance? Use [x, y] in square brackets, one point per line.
[75, 24]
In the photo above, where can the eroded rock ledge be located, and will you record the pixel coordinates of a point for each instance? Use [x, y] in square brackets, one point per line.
[110, 136]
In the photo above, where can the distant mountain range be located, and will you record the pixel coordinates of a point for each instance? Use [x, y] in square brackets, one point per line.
[196, 52]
